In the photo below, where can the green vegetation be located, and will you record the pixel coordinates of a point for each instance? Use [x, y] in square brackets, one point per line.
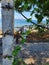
[38, 7]
[17, 60]
[41, 10]
[47, 64]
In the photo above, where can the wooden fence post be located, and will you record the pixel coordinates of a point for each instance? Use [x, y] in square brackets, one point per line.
[7, 30]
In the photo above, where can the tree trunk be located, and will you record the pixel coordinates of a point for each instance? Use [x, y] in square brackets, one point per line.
[7, 30]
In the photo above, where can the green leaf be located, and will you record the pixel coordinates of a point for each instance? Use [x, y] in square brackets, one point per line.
[25, 6]
[16, 50]
[47, 21]
[32, 13]
[14, 62]
[28, 32]
[23, 40]
[29, 20]
[37, 9]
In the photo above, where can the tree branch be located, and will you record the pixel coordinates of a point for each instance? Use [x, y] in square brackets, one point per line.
[33, 22]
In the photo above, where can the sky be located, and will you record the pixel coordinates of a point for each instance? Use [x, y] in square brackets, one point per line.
[17, 16]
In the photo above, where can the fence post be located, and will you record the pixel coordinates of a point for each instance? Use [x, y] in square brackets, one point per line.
[7, 30]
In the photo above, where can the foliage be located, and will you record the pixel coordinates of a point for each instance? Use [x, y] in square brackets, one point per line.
[16, 60]
[16, 50]
[39, 7]
[19, 61]
[29, 20]
[22, 41]
[40, 31]
[47, 64]
[24, 36]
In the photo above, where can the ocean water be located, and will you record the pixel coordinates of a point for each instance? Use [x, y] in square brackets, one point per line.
[18, 23]
[22, 22]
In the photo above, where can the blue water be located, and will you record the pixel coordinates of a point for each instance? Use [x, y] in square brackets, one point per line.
[21, 22]
[18, 23]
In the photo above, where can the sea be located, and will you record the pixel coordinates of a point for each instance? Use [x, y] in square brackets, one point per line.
[22, 22]
[19, 23]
